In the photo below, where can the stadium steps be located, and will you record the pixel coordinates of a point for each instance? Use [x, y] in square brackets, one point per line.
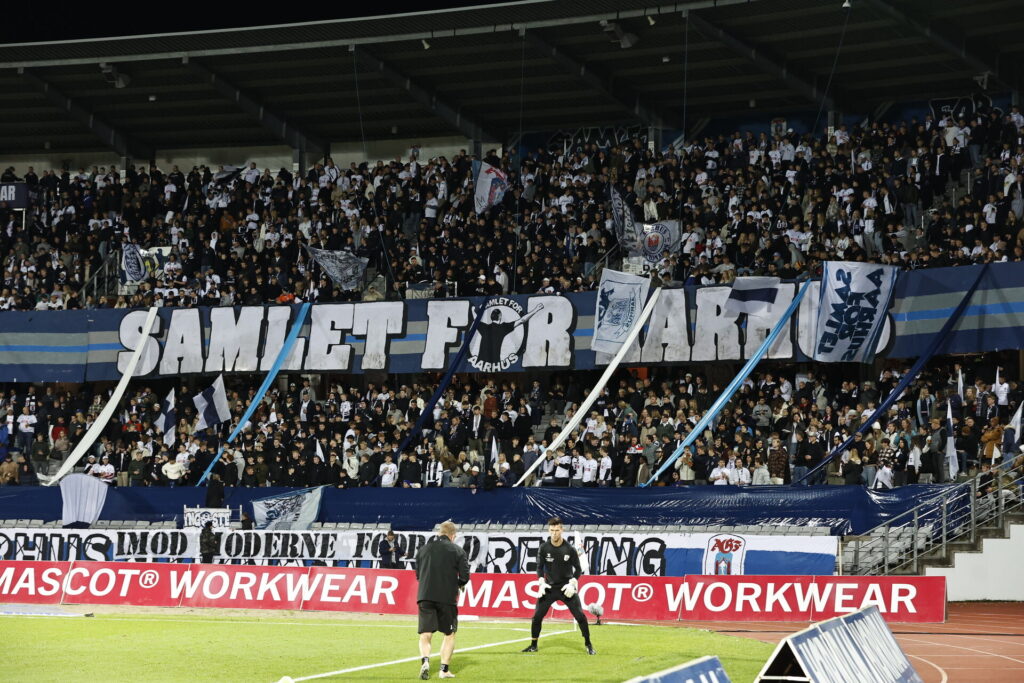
[934, 557]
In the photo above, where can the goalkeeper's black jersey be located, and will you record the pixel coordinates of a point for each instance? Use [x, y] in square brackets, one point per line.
[558, 564]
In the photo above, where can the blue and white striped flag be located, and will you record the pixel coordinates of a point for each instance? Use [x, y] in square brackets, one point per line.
[167, 419]
[753, 295]
[212, 405]
[297, 510]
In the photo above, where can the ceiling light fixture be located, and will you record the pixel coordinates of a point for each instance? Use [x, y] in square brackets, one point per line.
[426, 45]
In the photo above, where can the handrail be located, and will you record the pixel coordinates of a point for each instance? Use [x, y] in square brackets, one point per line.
[952, 516]
[103, 271]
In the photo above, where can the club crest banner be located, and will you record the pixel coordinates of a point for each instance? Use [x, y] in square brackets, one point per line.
[852, 310]
[620, 300]
[138, 265]
[659, 239]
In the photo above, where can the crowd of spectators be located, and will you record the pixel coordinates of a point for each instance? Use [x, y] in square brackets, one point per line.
[487, 431]
[747, 204]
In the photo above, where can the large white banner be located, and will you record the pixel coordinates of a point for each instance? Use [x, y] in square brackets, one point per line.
[640, 554]
[852, 310]
[620, 299]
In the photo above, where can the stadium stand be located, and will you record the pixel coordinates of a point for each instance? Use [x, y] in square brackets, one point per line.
[925, 192]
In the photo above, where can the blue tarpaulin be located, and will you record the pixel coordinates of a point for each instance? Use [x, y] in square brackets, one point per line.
[844, 509]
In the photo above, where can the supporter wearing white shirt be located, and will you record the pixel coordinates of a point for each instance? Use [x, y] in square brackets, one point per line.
[590, 468]
[104, 471]
[252, 174]
[1001, 389]
[388, 473]
[739, 476]
[173, 470]
[604, 472]
[720, 475]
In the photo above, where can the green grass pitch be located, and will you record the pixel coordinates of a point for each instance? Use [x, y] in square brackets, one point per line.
[263, 649]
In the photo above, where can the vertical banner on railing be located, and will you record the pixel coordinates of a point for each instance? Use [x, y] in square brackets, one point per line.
[937, 341]
[115, 398]
[574, 422]
[734, 386]
[852, 310]
[282, 356]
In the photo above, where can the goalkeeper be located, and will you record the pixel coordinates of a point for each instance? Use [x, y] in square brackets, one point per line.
[558, 566]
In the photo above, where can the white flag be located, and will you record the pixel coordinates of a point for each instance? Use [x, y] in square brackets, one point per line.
[167, 419]
[320, 451]
[494, 451]
[212, 405]
[620, 300]
[951, 458]
[960, 383]
[296, 510]
[753, 295]
[491, 183]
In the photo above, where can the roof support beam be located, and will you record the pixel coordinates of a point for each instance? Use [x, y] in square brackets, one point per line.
[273, 122]
[766, 63]
[117, 140]
[951, 42]
[620, 93]
[449, 112]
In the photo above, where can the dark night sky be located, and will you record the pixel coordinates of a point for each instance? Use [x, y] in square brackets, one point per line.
[70, 21]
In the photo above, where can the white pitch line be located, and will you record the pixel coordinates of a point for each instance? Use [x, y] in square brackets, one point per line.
[255, 622]
[416, 659]
[961, 647]
[945, 676]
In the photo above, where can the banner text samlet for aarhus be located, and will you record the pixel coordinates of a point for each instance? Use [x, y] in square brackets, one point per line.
[517, 333]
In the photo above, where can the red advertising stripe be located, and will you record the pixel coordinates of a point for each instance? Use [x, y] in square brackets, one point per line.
[35, 583]
[699, 598]
[246, 586]
[900, 599]
[122, 583]
[386, 591]
[747, 598]
[515, 595]
[806, 598]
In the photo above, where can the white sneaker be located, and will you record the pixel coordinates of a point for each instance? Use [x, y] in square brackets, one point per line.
[425, 671]
[445, 674]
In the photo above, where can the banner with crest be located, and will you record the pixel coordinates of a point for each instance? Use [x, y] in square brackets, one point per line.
[620, 299]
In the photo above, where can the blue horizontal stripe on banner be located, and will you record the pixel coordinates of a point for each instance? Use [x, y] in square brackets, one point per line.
[782, 563]
[998, 308]
[34, 348]
[683, 561]
[768, 296]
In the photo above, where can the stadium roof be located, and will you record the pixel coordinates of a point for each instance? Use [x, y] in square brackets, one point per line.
[492, 71]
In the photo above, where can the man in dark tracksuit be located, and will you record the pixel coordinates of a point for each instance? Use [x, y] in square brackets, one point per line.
[558, 566]
[442, 570]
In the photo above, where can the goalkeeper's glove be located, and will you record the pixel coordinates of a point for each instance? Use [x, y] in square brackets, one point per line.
[570, 588]
[544, 586]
